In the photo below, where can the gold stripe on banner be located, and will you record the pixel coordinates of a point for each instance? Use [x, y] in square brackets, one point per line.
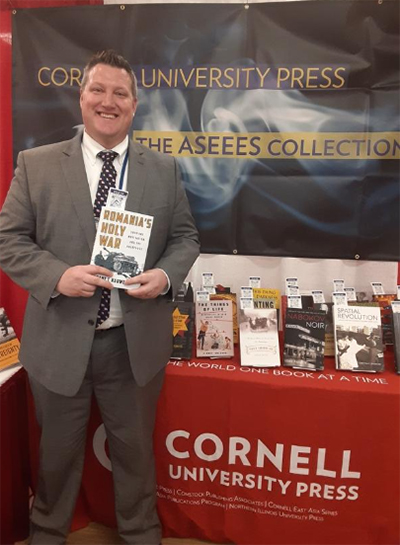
[287, 145]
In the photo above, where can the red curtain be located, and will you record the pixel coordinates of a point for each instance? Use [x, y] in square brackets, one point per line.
[12, 297]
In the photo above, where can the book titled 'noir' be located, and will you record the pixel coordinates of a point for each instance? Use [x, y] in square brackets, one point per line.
[358, 338]
[304, 336]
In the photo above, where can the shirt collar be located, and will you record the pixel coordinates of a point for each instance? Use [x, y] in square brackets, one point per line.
[91, 148]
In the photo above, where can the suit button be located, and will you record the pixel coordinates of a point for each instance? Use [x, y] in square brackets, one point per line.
[91, 322]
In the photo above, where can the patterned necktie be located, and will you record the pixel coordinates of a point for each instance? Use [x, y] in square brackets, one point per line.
[108, 177]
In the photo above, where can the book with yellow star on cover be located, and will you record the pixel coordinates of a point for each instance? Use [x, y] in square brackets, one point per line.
[183, 325]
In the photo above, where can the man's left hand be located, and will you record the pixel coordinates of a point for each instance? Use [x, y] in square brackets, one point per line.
[152, 283]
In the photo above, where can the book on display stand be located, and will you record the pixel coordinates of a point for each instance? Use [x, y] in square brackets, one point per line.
[228, 296]
[183, 327]
[304, 339]
[259, 339]
[214, 329]
[9, 343]
[329, 335]
[384, 300]
[396, 333]
[358, 338]
[307, 302]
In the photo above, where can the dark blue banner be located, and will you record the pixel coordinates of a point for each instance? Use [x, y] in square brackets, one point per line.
[284, 119]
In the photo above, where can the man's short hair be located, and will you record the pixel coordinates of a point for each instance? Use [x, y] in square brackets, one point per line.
[110, 58]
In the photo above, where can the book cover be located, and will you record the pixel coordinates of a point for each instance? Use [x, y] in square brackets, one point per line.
[259, 340]
[121, 243]
[183, 327]
[307, 302]
[329, 336]
[396, 335]
[358, 338]
[266, 298]
[384, 300]
[9, 344]
[214, 329]
[304, 339]
[228, 296]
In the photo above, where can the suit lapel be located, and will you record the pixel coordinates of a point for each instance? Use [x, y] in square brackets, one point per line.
[75, 174]
[137, 174]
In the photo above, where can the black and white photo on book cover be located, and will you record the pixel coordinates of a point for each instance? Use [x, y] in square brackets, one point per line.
[214, 329]
[358, 338]
[9, 343]
[7, 332]
[259, 340]
[304, 336]
[121, 243]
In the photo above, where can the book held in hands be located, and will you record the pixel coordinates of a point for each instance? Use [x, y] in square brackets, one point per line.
[121, 243]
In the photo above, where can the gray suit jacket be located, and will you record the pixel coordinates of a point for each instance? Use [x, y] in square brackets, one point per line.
[47, 225]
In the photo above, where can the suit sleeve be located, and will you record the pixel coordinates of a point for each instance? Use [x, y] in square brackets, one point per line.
[183, 240]
[21, 258]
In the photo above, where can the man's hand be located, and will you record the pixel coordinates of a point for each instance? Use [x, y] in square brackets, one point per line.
[152, 283]
[81, 280]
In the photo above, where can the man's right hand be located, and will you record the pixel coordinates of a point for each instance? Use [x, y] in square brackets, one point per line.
[81, 280]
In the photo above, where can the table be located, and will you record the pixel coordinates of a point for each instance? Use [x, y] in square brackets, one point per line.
[268, 456]
[14, 464]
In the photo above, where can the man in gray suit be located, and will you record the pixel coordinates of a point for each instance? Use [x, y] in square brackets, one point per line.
[47, 232]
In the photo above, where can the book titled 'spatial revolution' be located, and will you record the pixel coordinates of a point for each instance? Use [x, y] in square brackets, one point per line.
[9, 344]
[358, 338]
[259, 341]
[121, 244]
[214, 329]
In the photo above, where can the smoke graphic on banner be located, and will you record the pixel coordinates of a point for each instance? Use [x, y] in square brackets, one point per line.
[287, 140]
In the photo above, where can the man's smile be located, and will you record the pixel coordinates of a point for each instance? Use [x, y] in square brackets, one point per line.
[107, 116]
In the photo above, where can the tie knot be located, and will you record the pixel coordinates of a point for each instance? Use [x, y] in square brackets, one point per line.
[107, 156]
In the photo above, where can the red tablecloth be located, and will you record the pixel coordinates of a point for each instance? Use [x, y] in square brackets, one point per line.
[14, 462]
[269, 456]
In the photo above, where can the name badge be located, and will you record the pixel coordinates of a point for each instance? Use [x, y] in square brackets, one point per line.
[117, 198]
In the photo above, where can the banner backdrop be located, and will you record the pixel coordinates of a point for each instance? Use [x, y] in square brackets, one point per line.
[284, 116]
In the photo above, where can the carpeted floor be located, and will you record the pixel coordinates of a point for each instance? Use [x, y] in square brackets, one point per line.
[97, 534]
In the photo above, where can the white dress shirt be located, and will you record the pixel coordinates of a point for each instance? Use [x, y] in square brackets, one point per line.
[93, 166]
